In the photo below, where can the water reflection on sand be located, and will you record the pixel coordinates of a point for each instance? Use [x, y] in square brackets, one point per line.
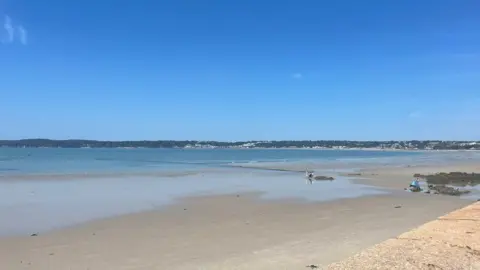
[36, 206]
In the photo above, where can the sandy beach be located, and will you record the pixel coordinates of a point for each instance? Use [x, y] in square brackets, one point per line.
[448, 242]
[239, 230]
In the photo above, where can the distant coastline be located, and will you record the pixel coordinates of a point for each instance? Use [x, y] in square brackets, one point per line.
[412, 145]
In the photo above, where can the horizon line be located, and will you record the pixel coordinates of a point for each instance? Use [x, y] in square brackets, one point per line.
[237, 141]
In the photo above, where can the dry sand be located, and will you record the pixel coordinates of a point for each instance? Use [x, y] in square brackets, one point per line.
[237, 231]
[450, 242]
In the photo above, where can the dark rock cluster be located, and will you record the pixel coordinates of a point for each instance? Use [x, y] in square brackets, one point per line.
[321, 177]
[452, 178]
[446, 190]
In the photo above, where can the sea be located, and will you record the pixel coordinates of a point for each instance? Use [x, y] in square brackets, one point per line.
[20, 161]
[44, 189]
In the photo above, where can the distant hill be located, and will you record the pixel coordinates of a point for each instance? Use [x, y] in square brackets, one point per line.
[329, 144]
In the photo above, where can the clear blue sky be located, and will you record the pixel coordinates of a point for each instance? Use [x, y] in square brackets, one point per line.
[240, 69]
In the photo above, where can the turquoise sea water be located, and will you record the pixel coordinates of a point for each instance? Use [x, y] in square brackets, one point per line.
[17, 161]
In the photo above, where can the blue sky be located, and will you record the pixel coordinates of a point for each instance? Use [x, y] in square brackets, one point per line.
[240, 70]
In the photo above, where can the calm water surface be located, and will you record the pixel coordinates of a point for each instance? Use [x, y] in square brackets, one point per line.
[58, 160]
[28, 207]
[45, 189]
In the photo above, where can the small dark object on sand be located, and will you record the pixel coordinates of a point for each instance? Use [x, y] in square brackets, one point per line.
[354, 174]
[312, 266]
[321, 177]
[34, 234]
[415, 189]
[398, 206]
[238, 195]
[184, 209]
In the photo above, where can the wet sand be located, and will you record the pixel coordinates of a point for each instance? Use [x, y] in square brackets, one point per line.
[228, 232]
[237, 231]
[37, 206]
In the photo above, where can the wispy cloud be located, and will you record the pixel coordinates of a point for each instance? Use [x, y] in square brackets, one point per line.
[415, 114]
[10, 31]
[22, 34]
[297, 76]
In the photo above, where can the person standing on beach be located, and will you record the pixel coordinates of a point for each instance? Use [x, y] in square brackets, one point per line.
[415, 184]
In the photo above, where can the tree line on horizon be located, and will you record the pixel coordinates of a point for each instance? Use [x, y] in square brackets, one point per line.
[413, 144]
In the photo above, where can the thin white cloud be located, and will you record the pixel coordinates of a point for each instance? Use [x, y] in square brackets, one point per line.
[22, 34]
[11, 31]
[415, 114]
[297, 76]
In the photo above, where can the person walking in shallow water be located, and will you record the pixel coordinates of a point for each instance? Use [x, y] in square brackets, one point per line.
[309, 176]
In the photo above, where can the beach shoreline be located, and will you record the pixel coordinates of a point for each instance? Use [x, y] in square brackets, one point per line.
[243, 229]
[235, 231]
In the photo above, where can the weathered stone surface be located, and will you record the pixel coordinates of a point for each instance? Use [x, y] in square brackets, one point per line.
[471, 212]
[450, 242]
[455, 232]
